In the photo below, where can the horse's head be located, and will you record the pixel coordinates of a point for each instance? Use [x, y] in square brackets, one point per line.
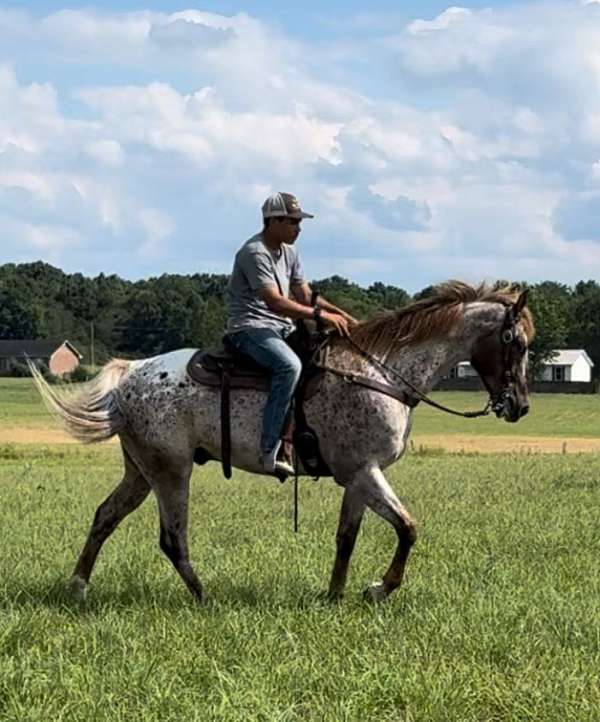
[500, 358]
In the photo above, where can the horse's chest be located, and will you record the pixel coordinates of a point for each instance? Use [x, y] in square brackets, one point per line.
[359, 422]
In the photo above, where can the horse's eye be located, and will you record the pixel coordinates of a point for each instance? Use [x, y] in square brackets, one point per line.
[507, 336]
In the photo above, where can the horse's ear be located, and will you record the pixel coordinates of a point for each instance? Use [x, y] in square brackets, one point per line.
[520, 303]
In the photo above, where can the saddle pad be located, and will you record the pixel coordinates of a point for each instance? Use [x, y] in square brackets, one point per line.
[239, 379]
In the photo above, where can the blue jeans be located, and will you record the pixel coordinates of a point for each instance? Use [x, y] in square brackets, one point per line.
[269, 349]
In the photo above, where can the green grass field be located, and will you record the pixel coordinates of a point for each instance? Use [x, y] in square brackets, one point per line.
[20, 404]
[551, 414]
[499, 617]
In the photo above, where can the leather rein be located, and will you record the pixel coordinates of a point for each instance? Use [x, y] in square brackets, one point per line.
[494, 403]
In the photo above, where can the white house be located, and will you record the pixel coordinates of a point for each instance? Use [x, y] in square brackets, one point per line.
[463, 370]
[567, 365]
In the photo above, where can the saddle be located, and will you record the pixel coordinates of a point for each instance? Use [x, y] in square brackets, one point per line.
[226, 368]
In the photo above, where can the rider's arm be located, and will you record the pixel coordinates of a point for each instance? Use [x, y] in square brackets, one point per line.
[282, 305]
[303, 294]
[287, 307]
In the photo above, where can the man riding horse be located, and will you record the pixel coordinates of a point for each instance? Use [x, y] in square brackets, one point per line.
[261, 313]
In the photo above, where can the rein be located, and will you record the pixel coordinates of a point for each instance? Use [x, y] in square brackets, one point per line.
[418, 393]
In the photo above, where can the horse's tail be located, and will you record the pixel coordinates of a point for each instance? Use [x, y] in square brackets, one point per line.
[92, 414]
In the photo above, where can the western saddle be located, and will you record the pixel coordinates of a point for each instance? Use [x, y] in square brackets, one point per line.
[226, 368]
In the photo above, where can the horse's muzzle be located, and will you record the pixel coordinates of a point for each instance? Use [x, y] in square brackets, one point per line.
[510, 409]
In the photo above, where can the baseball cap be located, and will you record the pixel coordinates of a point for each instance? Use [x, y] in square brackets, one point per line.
[281, 205]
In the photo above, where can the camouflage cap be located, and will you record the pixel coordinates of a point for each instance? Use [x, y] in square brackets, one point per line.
[282, 205]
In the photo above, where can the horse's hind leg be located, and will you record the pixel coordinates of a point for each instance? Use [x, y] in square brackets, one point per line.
[128, 495]
[172, 492]
[352, 512]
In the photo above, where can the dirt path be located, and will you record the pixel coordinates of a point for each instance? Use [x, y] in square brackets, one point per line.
[508, 444]
[449, 442]
[47, 436]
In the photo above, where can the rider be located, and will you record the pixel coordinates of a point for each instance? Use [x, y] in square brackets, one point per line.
[266, 272]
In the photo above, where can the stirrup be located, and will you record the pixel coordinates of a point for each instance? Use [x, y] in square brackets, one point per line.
[284, 467]
[272, 465]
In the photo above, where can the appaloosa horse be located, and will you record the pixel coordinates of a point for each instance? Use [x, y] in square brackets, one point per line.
[162, 417]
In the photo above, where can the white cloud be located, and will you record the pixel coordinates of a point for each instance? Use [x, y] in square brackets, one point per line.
[577, 217]
[449, 17]
[399, 214]
[182, 33]
[480, 153]
[204, 131]
[158, 227]
[106, 152]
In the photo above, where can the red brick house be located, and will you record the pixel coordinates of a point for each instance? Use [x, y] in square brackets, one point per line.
[61, 357]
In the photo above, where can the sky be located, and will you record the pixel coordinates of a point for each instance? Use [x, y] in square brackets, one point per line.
[431, 141]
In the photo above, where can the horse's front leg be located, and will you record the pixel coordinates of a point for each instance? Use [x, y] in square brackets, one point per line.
[379, 496]
[351, 514]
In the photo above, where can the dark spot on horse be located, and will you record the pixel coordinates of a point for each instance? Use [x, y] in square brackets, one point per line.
[163, 375]
[128, 395]
[181, 385]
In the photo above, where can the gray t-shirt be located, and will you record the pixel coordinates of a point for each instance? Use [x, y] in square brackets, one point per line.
[255, 267]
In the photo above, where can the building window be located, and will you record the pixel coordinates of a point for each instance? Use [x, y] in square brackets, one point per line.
[454, 372]
[558, 373]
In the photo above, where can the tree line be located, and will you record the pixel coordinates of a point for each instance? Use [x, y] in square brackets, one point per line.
[155, 315]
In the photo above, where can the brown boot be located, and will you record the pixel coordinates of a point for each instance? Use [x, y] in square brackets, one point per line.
[286, 450]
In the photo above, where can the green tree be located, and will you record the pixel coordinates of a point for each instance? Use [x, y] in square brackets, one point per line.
[16, 320]
[346, 295]
[585, 321]
[209, 324]
[387, 297]
[550, 304]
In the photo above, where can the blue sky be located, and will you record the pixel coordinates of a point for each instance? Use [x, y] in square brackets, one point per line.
[431, 141]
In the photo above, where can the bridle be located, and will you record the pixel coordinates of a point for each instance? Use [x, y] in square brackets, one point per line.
[495, 403]
[508, 337]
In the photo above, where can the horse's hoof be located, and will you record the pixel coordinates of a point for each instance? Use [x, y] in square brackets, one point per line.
[78, 588]
[375, 592]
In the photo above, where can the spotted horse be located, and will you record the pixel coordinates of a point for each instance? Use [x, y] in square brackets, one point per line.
[162, 418]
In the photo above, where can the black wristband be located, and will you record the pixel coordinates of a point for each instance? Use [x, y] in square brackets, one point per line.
[316, 313]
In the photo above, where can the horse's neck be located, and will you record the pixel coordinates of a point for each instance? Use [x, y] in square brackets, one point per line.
[423, 365]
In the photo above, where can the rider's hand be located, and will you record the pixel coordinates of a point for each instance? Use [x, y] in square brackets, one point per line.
[337, 321]
[351, 320]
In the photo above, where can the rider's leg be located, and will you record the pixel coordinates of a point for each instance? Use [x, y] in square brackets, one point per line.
[268, 348]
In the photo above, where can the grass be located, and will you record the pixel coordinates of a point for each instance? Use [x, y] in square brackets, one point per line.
[552, 415]
[556, 415]
[499, 618]
[21, 404]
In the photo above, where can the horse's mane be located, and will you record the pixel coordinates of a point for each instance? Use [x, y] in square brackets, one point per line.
[433, 317]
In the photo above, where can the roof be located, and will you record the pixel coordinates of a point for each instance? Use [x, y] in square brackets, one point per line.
[567, 357]
[36, 348]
